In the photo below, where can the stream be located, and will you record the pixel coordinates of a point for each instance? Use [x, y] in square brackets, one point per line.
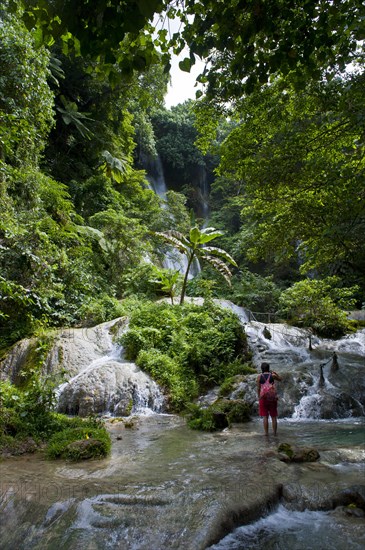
[165, 486]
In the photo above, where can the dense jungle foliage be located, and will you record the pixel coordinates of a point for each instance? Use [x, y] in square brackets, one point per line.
[187, 349]
[271, 154]
[28, 423]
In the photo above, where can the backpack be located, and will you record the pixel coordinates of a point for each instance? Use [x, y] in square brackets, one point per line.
[268, 390]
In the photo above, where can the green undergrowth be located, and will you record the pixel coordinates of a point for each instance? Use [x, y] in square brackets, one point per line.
[92, 442]
[187, 349]
[217, 416]
[28, 422]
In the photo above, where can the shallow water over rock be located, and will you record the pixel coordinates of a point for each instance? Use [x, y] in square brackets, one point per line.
[297, 531]
[165, 486]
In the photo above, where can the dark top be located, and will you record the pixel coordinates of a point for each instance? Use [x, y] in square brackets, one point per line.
[264, 377]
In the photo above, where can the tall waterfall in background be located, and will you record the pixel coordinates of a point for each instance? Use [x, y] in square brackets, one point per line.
[155, 176]
[204, 194]
[173, 258]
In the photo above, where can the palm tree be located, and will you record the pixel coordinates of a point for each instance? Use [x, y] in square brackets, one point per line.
[193, 246]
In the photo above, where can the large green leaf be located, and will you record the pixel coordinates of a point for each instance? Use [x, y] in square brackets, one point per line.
[175, 240]
[195, 235]
[220, 266]
[206, 235]
[211, 250]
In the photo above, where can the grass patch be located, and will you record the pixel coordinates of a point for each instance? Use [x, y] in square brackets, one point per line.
[27, 422]
[79, 443]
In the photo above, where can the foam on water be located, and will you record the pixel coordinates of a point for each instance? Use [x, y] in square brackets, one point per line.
[295, 530]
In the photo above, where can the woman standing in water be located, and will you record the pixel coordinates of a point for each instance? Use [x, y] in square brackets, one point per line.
[268, 400]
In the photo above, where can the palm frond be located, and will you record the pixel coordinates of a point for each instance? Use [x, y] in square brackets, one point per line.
[176, 239]
[218, 252]
[220, 266]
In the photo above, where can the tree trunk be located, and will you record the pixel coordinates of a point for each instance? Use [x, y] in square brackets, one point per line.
[183, 290]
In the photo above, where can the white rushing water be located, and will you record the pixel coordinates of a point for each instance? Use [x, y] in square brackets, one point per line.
[167, 487]
[292, 530]
[110, 384]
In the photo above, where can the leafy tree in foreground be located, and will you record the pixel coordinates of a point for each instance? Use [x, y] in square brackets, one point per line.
[319, 304]
[193, 246]
[303, 38]
[300, 161]
[247, 42]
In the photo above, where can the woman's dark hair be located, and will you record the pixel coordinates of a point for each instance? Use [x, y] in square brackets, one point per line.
[265, 367]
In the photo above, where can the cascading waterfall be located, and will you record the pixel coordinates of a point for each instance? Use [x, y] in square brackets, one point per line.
[173, 259]
[110, 384]
[313, 387]
[310, 405]
[155, 177]
[204, 194]
[165, 486]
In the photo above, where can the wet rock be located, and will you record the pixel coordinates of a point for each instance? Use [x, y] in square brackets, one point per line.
[299, 496]
[75, 349]
[112, 386]
[246, 391]
[15, 362]
[350, 510]
[305, 455]
[289, 454]
[286, 449]
[352, 496]
[19, 447]
[85, 449]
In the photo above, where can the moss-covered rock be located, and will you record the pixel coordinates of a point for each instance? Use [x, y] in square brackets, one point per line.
[79, 443]
[84, 449]
[289, 454]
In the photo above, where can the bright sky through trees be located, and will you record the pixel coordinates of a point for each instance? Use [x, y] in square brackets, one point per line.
[182, 85]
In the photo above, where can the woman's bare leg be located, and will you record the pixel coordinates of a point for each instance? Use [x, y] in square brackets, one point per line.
[274, 424]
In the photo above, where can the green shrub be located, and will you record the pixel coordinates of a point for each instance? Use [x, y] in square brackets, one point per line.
[26, 410]
[187, 349]
[139, 281]
[100, 309]
[319, 304]
[59, 445]
[135, 340]
[257, 293]
[236, 410]
[203, 419]
[179, 383]
[218, 415]
[27, 418]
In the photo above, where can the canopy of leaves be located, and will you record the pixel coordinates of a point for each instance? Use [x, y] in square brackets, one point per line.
[108, 32]
[299, 159]
[245, 42]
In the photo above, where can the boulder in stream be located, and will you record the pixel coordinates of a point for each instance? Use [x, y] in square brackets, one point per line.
[110, 387]
[352, 496]
[287, 453]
